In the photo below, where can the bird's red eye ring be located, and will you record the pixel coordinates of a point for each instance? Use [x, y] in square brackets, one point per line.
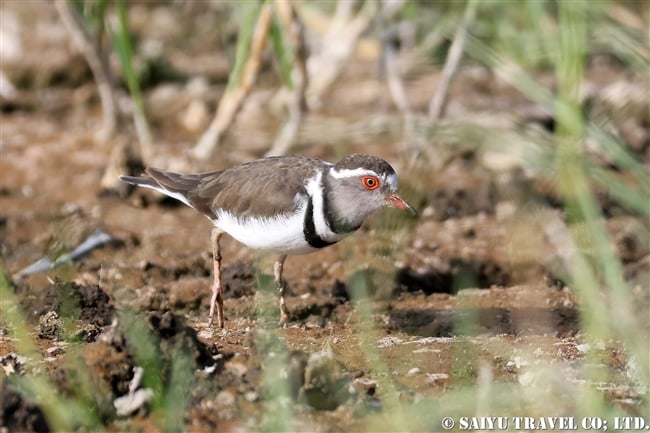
[370, 182]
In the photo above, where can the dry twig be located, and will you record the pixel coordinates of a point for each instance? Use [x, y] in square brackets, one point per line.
[338, 46]
[294, 97]
[98, 65]
[438, 102]
[231, 102]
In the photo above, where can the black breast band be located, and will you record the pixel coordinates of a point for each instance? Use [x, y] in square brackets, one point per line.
[309, 228]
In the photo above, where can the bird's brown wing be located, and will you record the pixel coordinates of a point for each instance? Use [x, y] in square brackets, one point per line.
[264, 187]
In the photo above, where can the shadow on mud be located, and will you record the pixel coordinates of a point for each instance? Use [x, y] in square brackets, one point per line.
[472, 321]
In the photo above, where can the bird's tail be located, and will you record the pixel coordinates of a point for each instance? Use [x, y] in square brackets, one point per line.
[174, 185]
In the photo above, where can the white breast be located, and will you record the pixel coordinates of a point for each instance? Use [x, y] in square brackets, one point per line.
[282, 234]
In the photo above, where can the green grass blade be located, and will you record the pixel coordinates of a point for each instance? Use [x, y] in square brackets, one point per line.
[62, 414]
[123, 45]
[282, 52]
[252, 11]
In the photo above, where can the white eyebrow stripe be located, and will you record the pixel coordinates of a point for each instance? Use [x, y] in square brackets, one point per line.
[346, 172]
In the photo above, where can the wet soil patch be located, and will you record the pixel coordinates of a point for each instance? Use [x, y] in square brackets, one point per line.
[452, 276]
[88, 303]
[495, 321]
[19, 414]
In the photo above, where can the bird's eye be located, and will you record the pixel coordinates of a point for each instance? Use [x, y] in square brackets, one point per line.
[370, 182]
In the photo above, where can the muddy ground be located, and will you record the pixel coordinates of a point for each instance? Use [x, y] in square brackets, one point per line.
[472, 284]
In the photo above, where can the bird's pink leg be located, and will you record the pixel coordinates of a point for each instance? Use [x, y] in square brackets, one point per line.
[217, 290]
[279, 283]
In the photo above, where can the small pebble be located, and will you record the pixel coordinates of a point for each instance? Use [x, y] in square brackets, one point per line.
[55, 350]
[436, 378]
[225, 398]
[251, 396]
[413, 371]
[236, 368]
[13, 363]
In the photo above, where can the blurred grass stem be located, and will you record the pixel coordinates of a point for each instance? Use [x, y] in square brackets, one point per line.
[250, 50]
[98, 65]
[438, 102]
[580, 204]
[62, 414]
[123, 44]
[287, 36]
